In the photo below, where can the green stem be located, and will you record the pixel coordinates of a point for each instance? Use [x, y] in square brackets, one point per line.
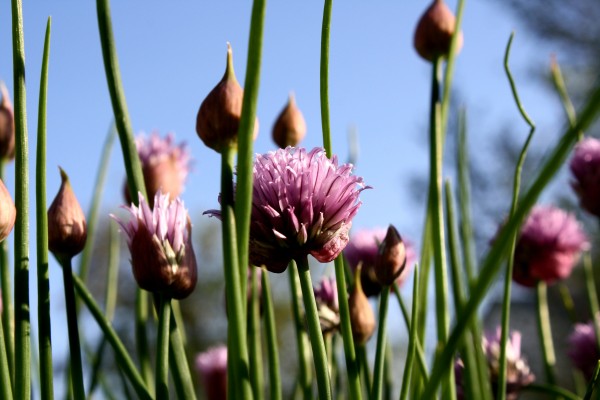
[21, 241]
[561, 88]
[314, 330]
[305, 372]
[182, 378]
[121, 354]
[545, 332]
[593, 382]
[162, 348]
[5, 385]
[243, 204]
[254, 339]
[554, 392]
[141, 337]
[413, 340]
[365, 371]
[43, 276]
[352, 367]
[377, 390]
[592, 294]
[271, 330]
[324, 75]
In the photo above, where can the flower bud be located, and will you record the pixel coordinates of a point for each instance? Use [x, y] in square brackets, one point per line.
[7, 125]
[219, 115]
[362, 317]
[8, 212]
[391, 258]
[67, 230]
[434, 32]
[290, 127]
[212, 367]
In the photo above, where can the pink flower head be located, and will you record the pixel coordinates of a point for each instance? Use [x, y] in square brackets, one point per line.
[583, 348]
[363, 248]
[326, 297]
[212, 367]
[165, 165]
[303, 203]
[159, 241]
[549, 246]
[585, 166]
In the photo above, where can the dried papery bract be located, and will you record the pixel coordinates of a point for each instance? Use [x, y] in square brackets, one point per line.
[7, 125]
[434, 32]
[8, 212]
[362, 317]
[391, 258]
[290, 127]
[219, 115]
[67, 229]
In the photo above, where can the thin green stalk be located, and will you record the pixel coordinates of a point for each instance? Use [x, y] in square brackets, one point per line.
[592, 293]
[567, 301]
[180, 370]
[545, 331]
[76, 368]
[365, 371]
[43, 280]
[388, 371]
[162, 348]
[243, 204]
[5, 384]
[21, 242]
[377, 390]
[324, 76]
[413, 340]
[502, 377]
[492, 262]
[304, 369]
[593, 383]
[121, 353]
[141, 337]
[7, 301]
[314, 330]
[237, 359]
[561, 88]
[271, 331]
[352, 368]
[254, 339]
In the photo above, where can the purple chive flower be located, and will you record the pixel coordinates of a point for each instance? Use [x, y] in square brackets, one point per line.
[165, 166]
[585, 166]
[212, 367]
[363, 248]
[159, 240]
[326, 297]
[303, 203]
[549, 246]
[583, 348]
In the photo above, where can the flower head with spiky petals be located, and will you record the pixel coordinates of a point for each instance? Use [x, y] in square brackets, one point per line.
[159, 241]
[303, 203]
[548, 247]
[583, 348]
[328, 308]
[585, 166]
[212, 367]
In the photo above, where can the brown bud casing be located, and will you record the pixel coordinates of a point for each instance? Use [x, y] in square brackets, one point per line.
[391, 258]
[290, 127]
[67, 230]
[7, 125]
[219, 115]
[434, 32]
[163, 175]
[362, 317]
[8, 212]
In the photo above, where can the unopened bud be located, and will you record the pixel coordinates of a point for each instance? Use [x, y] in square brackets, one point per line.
[8, 212]
[391, 258]
[290, 127]
[7, 125]
[434, 32]
[67, 231]
[362, 317]
[219, 115]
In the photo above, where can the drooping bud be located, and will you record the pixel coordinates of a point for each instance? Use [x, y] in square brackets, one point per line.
[8, 212]
[7, 125]
[67, 230]
[290, 127]
[434, 32]
[391, 258]
[362, 317]
[219, 115]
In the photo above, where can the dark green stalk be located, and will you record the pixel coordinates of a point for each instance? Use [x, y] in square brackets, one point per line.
[254, 339]
[561, 88]
[304, 370]
[43, 276]
[7, 301]
[492, 262]
[243, 204]
[592, 293]
[516, 188]
[141, 337]
[5, 384]
[552, 391]
[162, 348]
[324, 74]
[593, 383]
[377, 390]
[21, 243]
[271, 330]
[365, 371]
[545, 332]
[413, 340]
[314, 330]
[182, 379]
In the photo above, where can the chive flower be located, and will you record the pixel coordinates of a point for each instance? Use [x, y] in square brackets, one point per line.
[585, 167]
[160, 244]
[212, 368]
[583, 348]
[328, 308]
[548, 247]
